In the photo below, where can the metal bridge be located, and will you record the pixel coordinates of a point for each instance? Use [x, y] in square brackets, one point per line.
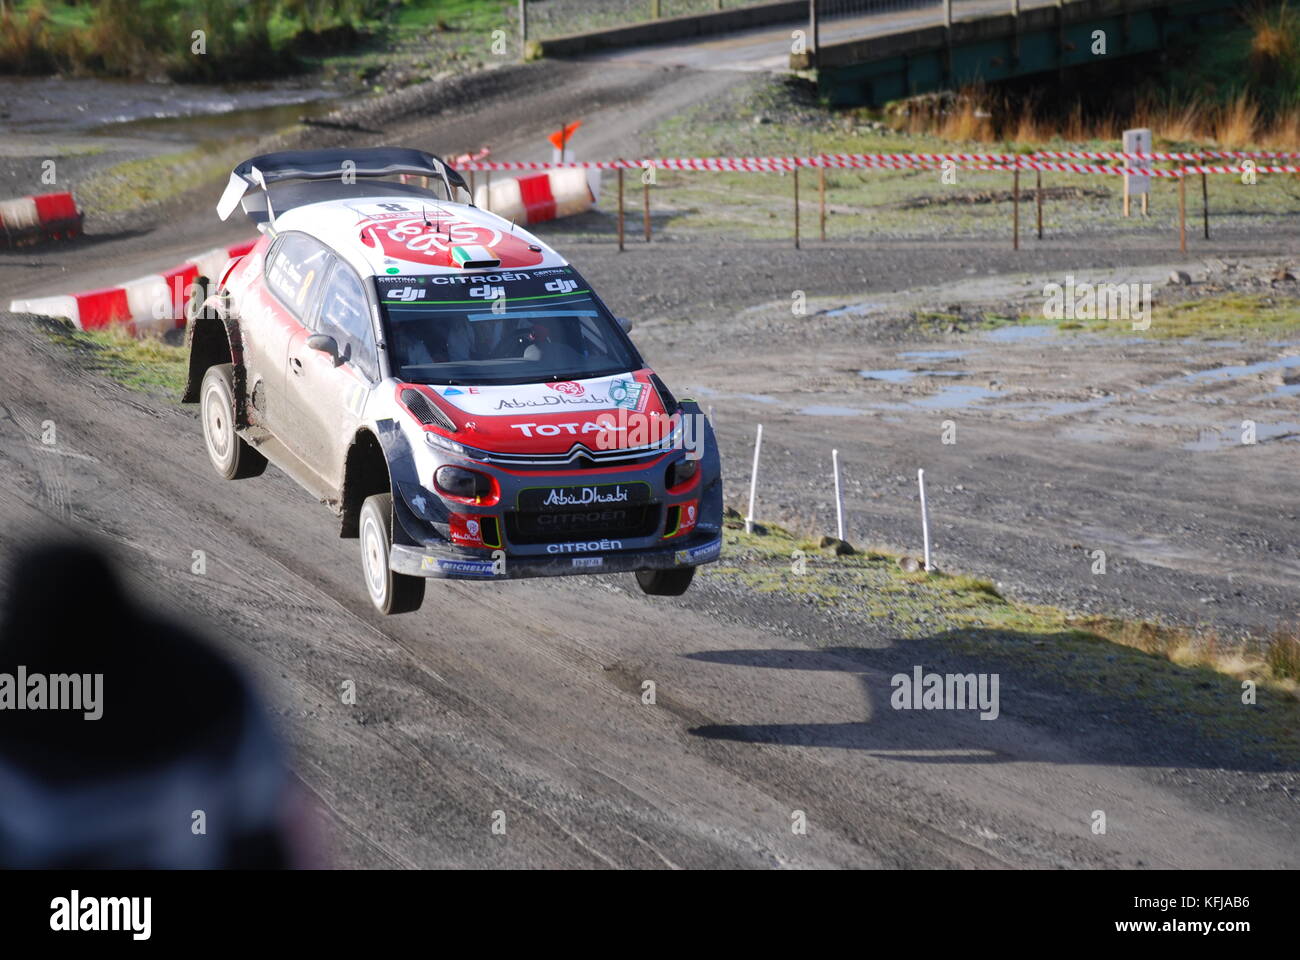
[874, 51]
[977, 41]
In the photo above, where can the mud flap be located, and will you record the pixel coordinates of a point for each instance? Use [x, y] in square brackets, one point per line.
[710, 472]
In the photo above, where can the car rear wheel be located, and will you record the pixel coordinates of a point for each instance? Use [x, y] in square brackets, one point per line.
[390, 592]
[665, 583]
[230, 455]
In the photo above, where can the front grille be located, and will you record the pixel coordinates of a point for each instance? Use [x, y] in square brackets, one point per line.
[578, 457]
[566, 526]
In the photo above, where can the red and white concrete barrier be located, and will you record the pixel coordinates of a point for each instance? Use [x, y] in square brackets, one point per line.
[49, 216]
[150, 304]
[540, 197]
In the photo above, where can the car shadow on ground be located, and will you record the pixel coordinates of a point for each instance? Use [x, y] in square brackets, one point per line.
[1163, 716]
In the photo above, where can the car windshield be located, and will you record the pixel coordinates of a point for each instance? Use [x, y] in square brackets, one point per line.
[525, 326]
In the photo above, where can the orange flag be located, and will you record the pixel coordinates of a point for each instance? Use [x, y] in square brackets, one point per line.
[561, 137]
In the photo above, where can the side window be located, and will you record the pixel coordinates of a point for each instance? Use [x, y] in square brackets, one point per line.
[345, 316]
[295, 271]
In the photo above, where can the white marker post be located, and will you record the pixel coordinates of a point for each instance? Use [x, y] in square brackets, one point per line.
[839, 497]
[753, 481]
[925, 519]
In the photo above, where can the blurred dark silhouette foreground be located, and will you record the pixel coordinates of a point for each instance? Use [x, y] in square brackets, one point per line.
[182, 769]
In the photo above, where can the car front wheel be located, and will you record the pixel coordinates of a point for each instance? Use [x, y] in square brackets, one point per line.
[390, 592]
[232, 457]
[665, 583]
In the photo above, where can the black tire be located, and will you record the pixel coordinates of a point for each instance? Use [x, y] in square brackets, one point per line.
[665, 583]
[231, 456]
[389, 591]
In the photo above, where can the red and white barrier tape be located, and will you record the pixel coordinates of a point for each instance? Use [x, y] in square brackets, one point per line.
[1199, 155]
[1042, 161]
[147, 304]
[157, 301]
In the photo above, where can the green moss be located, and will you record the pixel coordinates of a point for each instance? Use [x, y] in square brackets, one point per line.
[146, 363]
[150, 180]
[1222, 316]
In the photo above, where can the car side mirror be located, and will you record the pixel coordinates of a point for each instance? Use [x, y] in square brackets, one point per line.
[325, 344]
[625, 323]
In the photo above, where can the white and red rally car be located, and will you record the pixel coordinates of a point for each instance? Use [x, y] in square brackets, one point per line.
[451, 386]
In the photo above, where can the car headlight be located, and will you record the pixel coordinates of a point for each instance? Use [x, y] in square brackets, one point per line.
[462, 484]
[451, 446]
[682, 472]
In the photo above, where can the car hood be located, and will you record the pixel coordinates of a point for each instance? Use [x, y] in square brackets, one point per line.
[601, 413]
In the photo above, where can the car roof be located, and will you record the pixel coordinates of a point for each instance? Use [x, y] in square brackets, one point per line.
[387, 226]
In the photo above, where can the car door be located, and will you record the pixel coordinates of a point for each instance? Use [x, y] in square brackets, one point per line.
[325, 399]
[296, 268]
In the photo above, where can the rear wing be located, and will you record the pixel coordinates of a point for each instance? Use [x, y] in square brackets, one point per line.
[344, 165]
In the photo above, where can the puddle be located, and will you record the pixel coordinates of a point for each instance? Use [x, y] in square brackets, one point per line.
[958, 395]
[901, 376]
[36, 105]
[892, 376]
[831, 412]
[1217, 374]
[1210, 440]
[757, 397]
[932, 354]
[947, 398]
[1042, 409]
[225, 125]
[853, 309]
[1240, 370]
[1016, 334]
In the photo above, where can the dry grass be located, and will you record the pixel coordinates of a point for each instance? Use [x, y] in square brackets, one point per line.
[1273, 660]
[1283, 656]
[1238, 122]
[977, 116]
[1274, 37]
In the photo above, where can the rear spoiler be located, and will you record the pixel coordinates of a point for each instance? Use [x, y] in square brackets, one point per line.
[330, 164]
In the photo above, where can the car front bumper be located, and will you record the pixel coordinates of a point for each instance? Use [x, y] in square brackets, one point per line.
[452, 563]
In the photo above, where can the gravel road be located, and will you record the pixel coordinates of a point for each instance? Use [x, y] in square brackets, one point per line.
[526, 697]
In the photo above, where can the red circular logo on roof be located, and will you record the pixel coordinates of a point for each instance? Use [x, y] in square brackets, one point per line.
[568, 387]
[404, 237]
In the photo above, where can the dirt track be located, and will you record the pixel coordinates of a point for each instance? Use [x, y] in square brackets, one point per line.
[525, 697]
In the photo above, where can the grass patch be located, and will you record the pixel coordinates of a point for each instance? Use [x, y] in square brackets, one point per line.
[150, 180]
[1225, 316]
[1173, 670]
[240, 39]
[145, 363]
[768, 116]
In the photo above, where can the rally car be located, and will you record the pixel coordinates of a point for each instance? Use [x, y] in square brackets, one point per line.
[452, 387]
